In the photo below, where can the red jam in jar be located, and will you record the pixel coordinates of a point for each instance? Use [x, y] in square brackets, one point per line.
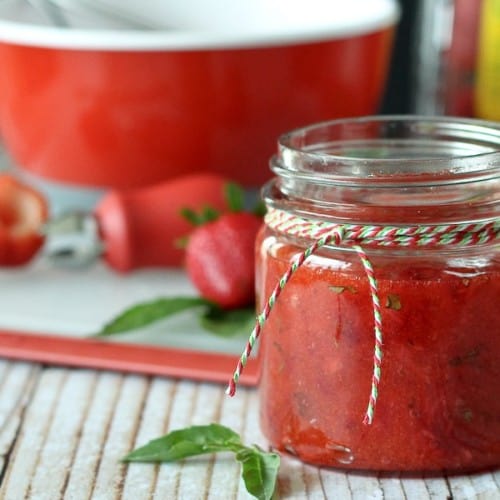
[381, 344]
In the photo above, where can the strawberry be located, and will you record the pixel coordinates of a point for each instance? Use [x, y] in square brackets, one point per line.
[23, 211]
[220, 259]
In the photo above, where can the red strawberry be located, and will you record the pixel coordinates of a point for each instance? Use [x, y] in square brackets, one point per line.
[23, 211]
[220, 259]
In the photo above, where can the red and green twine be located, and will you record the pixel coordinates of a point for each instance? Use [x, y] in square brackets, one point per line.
[359, 237]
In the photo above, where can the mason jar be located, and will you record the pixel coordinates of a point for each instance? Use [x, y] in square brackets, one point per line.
[378, 279]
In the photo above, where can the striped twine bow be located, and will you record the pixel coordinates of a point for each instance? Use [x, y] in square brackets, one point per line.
[359, 237]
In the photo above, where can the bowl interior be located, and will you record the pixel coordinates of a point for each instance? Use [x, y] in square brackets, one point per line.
[191, 23]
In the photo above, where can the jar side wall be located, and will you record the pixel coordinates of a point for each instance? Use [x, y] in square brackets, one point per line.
[440, 375]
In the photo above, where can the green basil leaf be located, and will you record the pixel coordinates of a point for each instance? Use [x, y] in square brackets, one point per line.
[228, 323]
[259, 471]
[149, 312]
[259, 468]
[188, 442]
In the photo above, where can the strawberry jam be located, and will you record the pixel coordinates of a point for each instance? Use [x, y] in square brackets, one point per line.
[437, 399]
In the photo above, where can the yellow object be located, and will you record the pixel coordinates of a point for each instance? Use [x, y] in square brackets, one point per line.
[487, 92]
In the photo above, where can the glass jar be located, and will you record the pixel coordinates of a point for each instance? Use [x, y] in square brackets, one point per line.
[378, 271]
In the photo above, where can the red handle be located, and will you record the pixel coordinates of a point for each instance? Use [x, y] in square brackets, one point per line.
[141, 228]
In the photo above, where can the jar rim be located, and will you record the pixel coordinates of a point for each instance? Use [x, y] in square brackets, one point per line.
[448, 148]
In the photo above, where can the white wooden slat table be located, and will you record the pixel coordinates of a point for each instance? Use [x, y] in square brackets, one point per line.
[63, 432]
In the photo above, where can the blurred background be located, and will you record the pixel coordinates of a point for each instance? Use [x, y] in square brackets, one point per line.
[399, 94]
[446, 59]
[119, 97]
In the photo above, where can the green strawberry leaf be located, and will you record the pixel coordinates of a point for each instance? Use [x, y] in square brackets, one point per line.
[260, 209]
[181, 242]
[148, 312]
[207, 214]
[228, 323]
[259, 471]
[235, 196]
[191, 216]
[259, 468]
[188, 442]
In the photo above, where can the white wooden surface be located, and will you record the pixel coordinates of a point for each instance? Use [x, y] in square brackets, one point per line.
[63, 432]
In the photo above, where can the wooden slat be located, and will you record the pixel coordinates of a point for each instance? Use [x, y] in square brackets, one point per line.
[484, 486]
[335, 483]
[226, 471]
[195, 474]
[32, 436]
[496, 477]
[364, 486]
[140, 480]
[477, 486]
[94, 431]
[121, 437]
[181, 410]
[16, 385]
[391, 486]
[312, 482]
[291, 480]
[62, 437]
[251, 432]
[433, 488]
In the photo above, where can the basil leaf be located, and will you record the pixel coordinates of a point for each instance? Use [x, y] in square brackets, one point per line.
[259, 468]
[149, 312]
[259, 471]
[228, 323]
[188, 442]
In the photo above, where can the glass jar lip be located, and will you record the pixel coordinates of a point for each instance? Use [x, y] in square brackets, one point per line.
[302, 159]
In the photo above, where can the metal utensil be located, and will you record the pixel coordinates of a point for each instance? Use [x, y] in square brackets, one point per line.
[116, 16]
[51, 12]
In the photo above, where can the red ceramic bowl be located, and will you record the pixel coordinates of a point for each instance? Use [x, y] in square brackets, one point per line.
[114, 108]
